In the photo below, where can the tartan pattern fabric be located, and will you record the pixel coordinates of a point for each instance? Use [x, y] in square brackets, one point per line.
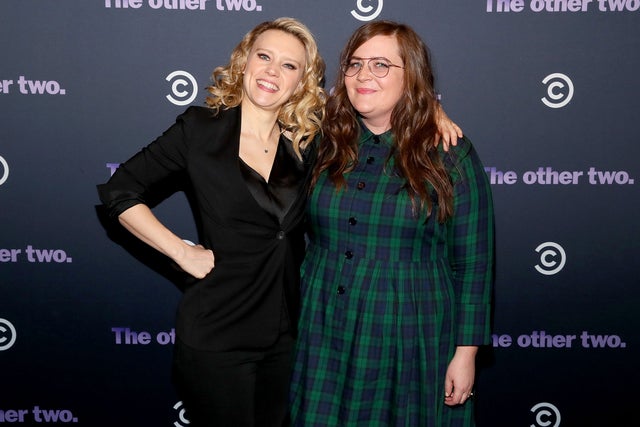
[387, 296]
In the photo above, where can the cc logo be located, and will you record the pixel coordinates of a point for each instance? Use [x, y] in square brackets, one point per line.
[4, 170]
[7, 334]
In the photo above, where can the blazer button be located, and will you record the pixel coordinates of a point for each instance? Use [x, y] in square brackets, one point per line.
[370, 160]
[341, 290]
[353, 221]
[280, 235]
[361, 185]
[348, 254]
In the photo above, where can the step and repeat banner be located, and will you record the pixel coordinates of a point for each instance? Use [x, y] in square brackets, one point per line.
[548, 90]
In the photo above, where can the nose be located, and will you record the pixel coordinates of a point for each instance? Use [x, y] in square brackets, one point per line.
[364, 74]
[272, 70]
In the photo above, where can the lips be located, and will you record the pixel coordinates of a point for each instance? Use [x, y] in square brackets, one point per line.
[365, 91]
[268, 85]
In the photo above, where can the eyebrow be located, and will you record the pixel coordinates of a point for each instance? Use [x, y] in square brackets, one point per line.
[267, 50]
[371, 57]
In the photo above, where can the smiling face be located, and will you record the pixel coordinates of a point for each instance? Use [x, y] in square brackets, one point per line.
[376, 97]
[274, 69]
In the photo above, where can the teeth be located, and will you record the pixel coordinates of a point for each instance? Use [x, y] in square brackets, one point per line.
[268, 85]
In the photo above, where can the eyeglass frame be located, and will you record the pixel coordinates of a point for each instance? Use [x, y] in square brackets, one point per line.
[345, 66]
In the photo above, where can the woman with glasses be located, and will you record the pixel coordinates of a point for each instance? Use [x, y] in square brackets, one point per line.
[396, 283]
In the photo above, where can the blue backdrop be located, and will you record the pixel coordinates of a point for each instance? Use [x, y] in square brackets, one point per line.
[548, 91]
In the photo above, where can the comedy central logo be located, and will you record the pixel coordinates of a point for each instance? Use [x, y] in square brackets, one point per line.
[546, 415]
[184, 88]
[183, 421]
[559, 90]
[7, 334]
[552, 258]
[367, 12]
[4, 170]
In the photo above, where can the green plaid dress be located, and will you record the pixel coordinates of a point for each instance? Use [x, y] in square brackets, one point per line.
[386, 297]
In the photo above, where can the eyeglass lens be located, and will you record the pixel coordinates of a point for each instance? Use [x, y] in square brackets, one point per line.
[379, 67]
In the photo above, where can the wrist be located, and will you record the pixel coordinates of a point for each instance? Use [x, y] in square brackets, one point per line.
[467, 351]
[177, 250]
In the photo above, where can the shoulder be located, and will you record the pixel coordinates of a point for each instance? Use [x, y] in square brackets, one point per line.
[462, 152]
[311, 150]
[197, 115]
[200, 129]
[462, 160]
[457, 152]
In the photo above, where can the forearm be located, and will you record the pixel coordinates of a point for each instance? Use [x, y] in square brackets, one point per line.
[471, 244]
[143, 224]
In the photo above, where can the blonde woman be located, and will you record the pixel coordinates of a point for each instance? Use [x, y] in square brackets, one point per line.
[247, 156]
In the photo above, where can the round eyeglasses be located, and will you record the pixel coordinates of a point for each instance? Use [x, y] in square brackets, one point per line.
[379, 67]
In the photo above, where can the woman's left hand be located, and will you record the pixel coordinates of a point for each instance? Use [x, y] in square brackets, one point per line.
[460, 376]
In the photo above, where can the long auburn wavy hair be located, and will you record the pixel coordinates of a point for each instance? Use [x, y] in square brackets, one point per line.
[413, 124]
[301, 116]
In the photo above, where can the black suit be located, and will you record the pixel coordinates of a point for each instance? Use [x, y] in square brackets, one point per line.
[255, 230]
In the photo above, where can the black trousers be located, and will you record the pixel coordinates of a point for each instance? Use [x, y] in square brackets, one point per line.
[234, 388]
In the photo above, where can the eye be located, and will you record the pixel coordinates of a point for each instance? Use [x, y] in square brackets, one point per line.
[381, 64]
[354, 65]
[290, 66]
[263, 56]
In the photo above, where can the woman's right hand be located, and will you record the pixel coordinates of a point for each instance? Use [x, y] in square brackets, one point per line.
[196, 260]
[193, 259]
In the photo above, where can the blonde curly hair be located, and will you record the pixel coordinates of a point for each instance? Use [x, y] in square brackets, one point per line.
[301, 116]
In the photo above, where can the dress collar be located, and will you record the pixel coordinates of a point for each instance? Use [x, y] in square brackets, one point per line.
[368, 137]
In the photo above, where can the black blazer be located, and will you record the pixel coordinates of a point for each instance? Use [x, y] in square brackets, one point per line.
[240, 304]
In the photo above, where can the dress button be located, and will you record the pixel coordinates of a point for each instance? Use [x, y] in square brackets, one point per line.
[280, 235]
[348, 254]
[353, 221]
[341, 290]
[361, 185]
[376, 139]
[370, 160]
